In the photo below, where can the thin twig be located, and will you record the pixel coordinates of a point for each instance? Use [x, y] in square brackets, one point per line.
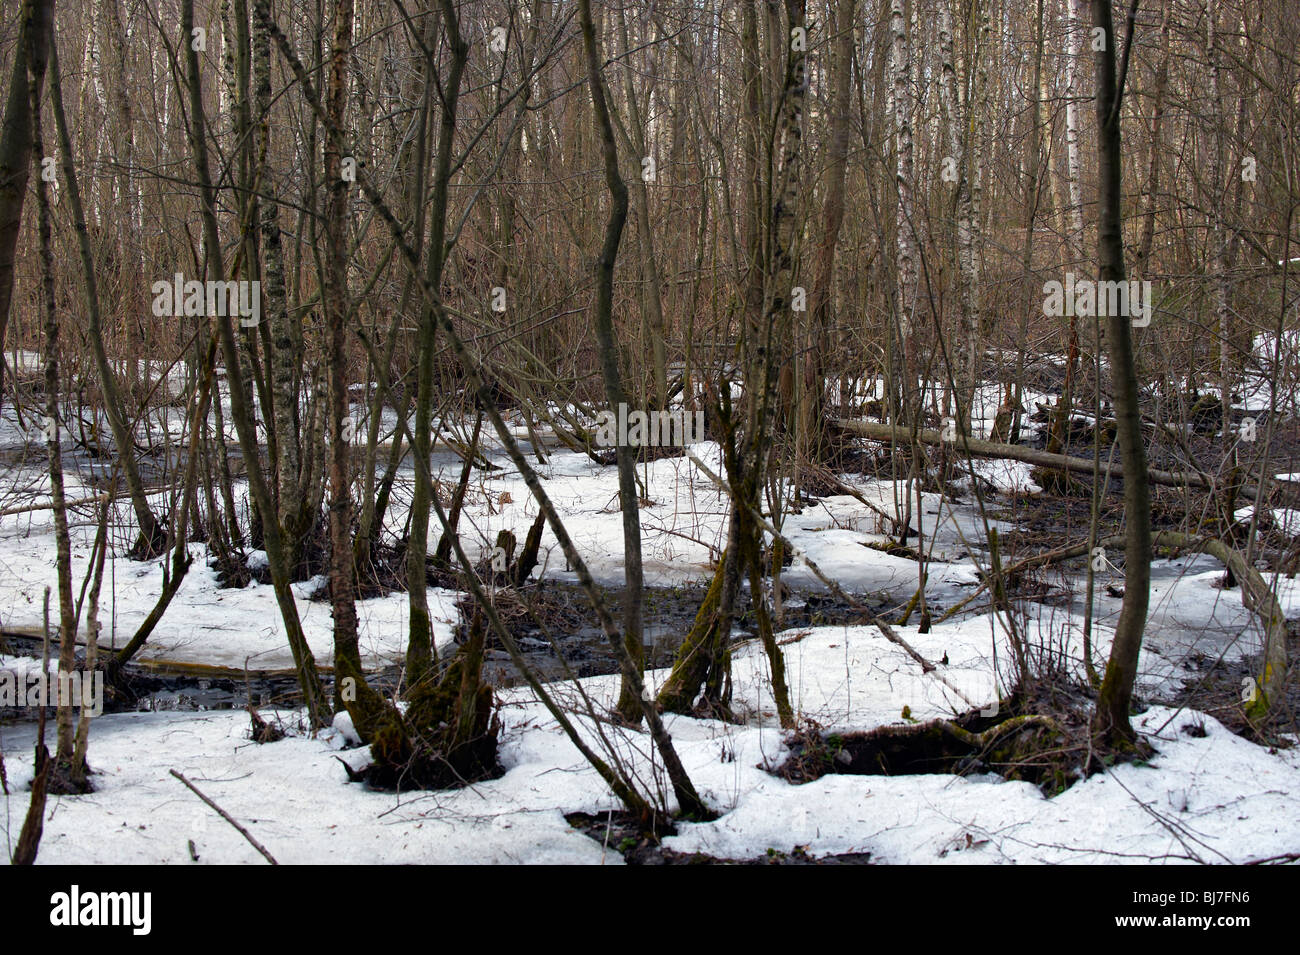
[226, 816]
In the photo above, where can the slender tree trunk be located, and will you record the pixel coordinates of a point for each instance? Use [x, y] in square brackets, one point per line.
[420, 653]
[282, 357]
[81, 744]
[37, 26]
[413, 161]
[629, 703]
[1218, 234]
[822, 292]
[1143, 256]
[37, 60]
[652, 297]
[335, 304]
[29, 838]
[901, 59]
[153, 537]
[304, 662]
[1111, 724]
[1074, 20]
[960, 149]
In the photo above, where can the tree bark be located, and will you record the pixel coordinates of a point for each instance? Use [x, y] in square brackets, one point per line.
[37, 27]
[821, 295]
[629, 704]
[304, 662]
[906, 250]
[652, 298]
[960, 147]
[335, 304]
[285, 352]
[153, 537]
[1143, 256]
[37, 61]
[1111, 724]
[420, 652]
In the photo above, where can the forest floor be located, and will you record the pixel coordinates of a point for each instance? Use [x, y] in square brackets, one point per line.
[1209, 794]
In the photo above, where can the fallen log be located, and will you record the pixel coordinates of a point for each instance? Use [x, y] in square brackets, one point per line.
[1270, 685]
[49, 505]
[1014, 452]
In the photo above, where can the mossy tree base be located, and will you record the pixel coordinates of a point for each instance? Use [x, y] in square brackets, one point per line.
[446, 738]
[701, 660]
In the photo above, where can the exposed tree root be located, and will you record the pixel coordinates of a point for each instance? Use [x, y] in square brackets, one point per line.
[1051, 751]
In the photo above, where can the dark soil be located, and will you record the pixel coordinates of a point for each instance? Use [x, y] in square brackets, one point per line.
[1050, 755]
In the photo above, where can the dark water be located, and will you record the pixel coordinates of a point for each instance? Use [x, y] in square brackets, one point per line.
[567, 623]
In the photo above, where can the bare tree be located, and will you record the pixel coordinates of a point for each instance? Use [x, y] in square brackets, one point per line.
[1115, 697]
[37, 26]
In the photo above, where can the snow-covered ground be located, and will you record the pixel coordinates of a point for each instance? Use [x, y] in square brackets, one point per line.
[1214, 798]
[1211, 798]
